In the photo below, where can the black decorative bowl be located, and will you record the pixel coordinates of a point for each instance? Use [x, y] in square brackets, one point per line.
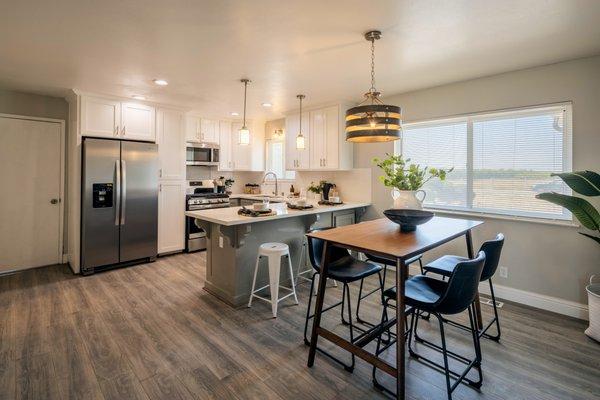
[408, 219]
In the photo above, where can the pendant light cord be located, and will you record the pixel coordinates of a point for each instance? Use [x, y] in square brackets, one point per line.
[245, 88]
[372, 90]
[300, 129]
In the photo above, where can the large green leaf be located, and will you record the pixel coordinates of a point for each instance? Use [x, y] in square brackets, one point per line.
[581, 208]
[586, 183]
[596, 238]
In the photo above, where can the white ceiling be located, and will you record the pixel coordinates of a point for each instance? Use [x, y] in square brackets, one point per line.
[286, 47]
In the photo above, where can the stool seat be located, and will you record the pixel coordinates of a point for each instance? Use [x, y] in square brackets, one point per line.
[420, 291]
[349, 269]
[444, 265]
[273, 248]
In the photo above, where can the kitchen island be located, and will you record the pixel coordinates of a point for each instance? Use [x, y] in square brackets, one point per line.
[233, 241]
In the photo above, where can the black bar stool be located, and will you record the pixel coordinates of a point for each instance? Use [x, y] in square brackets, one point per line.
[345, 269]
[426, 294]
[445, 266]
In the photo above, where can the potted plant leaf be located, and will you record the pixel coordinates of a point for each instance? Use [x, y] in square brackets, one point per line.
[406, 179]
[585, 183]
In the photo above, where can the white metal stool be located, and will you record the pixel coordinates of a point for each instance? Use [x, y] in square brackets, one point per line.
[274, 252]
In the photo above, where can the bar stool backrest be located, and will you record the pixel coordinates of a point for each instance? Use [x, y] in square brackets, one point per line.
[315, 250]
[492, 250]
[462, 286]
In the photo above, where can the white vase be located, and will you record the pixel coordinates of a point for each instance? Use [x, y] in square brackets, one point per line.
[408, 199]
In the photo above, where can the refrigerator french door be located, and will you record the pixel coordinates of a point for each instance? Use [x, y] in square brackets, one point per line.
[119, 212]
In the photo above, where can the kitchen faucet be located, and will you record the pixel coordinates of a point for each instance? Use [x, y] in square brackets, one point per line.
[275, 176]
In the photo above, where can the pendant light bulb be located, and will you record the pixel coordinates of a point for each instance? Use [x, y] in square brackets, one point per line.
[244, 132]
[300, 142]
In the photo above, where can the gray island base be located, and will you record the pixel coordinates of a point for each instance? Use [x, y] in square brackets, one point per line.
[233, 242]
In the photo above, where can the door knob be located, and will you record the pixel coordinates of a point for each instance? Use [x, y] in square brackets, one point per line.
[54, 201]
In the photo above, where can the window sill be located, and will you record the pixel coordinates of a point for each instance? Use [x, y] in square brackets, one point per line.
[543, 221]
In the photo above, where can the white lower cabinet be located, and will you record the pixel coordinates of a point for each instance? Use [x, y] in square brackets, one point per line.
[171, 216]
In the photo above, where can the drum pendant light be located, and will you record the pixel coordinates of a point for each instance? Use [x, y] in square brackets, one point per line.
[244, 132]
[371, 120]
[300, 143]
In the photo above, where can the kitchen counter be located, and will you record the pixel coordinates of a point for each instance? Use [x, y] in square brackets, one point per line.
[232, 243]
[229, 216]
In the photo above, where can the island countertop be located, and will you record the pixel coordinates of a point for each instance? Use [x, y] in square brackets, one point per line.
[229, 216]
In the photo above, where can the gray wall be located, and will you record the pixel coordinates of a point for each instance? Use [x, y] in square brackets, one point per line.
[545, 259]
[34, 105]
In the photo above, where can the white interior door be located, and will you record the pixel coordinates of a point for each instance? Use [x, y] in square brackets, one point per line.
[30, 177]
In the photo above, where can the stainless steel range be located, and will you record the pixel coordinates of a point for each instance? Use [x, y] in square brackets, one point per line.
[201, 196]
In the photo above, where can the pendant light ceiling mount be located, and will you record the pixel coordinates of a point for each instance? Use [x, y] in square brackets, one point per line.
[244, 132]
[371, 120]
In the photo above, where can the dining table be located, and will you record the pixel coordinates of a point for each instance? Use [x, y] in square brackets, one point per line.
[383, 238]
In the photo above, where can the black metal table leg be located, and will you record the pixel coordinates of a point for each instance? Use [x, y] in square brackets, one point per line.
[319, 305]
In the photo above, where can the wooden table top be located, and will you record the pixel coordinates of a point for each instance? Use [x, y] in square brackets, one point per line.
[383, 237]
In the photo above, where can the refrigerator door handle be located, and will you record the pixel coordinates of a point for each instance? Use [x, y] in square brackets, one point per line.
[124, 189]
[118, 192]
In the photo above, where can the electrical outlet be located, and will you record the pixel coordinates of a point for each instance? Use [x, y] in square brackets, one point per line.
[503, 272]
[221, 241]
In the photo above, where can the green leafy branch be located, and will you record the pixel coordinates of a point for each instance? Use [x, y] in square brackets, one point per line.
[586, 183]
[403, 175]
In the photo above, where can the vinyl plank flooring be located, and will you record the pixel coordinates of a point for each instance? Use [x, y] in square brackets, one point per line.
[151, 332]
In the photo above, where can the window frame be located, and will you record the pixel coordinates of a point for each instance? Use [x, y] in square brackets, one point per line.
[567, 158]
[268, 159]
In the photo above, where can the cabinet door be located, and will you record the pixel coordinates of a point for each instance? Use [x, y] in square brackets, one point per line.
[240, 153]
[100, 117]
[344, 218]
[324, 130]
[171, 216]
[318, 142]
[192, 128]
[225, 163]
[296, 159]
[332, 137]
[209, 130]
[171, 144]
[138, 122]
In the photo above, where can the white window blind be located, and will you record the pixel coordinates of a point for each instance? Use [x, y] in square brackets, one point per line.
[501, 160]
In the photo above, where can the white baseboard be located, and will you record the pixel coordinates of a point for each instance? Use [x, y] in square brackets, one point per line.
[548, 303]
[543, 302]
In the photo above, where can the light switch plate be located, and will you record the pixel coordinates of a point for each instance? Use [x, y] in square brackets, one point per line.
[503, 272]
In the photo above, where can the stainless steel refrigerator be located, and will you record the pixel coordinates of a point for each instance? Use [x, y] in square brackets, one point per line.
[119, 203]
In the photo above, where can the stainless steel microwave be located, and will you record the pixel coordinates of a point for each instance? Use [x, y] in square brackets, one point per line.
[199, 153]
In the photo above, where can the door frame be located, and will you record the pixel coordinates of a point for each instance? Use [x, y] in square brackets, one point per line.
[61, 193]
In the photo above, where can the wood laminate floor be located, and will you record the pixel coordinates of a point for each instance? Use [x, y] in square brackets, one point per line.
[151, 332]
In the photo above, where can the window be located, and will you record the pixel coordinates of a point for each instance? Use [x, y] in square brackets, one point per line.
[275, 159]
[501, 160]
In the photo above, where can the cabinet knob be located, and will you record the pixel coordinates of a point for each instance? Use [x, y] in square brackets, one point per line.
[54, 201]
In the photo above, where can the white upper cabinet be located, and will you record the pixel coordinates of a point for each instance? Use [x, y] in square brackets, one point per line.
[326, 147]
[138, 122]
[199, 129]
[209, 129]
[225, 162]
[296, 159]
[171, 144]
[192, 128]
[100, 117]
[103, 117]
[325, 134]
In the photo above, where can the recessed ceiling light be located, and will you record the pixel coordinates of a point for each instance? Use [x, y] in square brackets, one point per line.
[267, 105]
[235, 114]
[161, 82]
[139, 97]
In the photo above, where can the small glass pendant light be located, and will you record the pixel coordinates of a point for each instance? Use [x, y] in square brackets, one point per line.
[371, 120]
[244, 132]
[300, 143]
